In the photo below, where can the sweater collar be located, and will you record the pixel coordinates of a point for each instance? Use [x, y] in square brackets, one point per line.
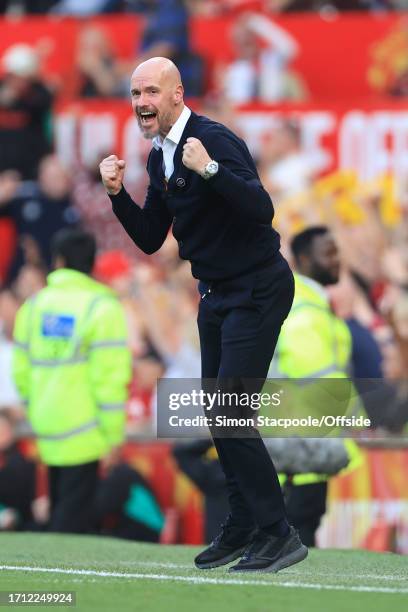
[176, 131]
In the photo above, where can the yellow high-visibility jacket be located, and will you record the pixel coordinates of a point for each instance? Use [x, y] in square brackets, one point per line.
[314, 344]
[72, 367]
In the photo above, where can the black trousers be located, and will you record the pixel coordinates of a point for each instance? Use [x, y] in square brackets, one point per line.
[306, 505]
[239, 323]
[72, 496]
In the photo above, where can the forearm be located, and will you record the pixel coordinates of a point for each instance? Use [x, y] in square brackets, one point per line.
[236, 180]
[146, 231]
[274, 35]
[246, 197]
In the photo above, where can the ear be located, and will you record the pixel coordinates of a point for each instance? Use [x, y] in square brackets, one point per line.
[59, 262]
[303, 263]
[178, 94]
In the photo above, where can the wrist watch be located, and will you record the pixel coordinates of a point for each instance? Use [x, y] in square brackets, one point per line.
[210, 169]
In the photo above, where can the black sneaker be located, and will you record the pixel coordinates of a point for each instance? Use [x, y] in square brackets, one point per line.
[227, 546]
[268, 553]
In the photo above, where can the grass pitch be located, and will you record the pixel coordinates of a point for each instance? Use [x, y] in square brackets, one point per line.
[117, 576]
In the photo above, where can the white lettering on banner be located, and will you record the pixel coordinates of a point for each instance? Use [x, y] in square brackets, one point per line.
[369, 142]
[351, 142]
[316, 125]
[98, 136]
[253, 126]
[379, 144]
[65, 137]
[374, 143]
[401, 145]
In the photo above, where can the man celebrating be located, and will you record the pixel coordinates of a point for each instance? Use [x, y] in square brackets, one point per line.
[203, 181]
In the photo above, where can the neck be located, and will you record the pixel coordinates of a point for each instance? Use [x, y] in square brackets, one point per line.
[176, 116]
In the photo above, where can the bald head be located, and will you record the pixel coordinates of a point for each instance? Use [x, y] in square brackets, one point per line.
[160, 68]
[157, 96]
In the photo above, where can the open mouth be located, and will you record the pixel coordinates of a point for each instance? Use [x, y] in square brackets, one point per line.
[147, 117]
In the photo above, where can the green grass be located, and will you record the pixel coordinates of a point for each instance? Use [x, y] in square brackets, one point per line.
[154, 578]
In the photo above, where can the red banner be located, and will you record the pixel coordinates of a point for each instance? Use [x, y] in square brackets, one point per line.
[368, 139]
[346, 56]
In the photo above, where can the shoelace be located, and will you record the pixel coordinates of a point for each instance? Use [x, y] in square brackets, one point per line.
[224, 527]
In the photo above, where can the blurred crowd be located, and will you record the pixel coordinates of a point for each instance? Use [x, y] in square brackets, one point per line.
[207, 7]
[263, 65]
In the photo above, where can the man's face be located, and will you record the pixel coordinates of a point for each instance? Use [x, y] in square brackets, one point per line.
[154, 100]
[324, 260]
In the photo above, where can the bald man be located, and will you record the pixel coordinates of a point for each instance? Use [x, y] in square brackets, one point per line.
[204, 183]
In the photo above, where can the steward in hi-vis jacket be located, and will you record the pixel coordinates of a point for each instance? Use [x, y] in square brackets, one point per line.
[314, 344]
[72, 367]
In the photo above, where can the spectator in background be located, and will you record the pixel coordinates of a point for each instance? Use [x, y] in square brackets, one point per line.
[39, 210]
[126, 506]
[79, 324]
[116, 270]
[203, 7]
[366, 364]
[9, 183]
[81, 8]
[100, 73]
[25, 112]
[8, 309]
[199, 461]
[167, 35]
[284, 168]
[17, 480]
[22, 505]
[17, 7]
[169, 315]
[160, 303]
[351, 305]
[290, 6]
[313, 344]
[400, 321]
[95, 212]
[397, 370]
[31, 279]
[261, 71]
[218, 108]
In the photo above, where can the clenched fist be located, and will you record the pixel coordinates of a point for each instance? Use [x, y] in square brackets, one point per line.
[195, 156]
[112, 170]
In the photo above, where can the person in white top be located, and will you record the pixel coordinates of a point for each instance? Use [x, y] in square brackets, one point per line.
[261, 69]
[285, 168]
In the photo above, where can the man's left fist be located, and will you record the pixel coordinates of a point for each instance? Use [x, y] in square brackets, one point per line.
[195, 156]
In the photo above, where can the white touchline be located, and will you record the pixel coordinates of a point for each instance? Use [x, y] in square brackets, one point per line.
[286, 572]
[204, 580]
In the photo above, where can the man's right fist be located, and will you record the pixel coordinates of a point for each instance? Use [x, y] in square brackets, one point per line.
[112, 170]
